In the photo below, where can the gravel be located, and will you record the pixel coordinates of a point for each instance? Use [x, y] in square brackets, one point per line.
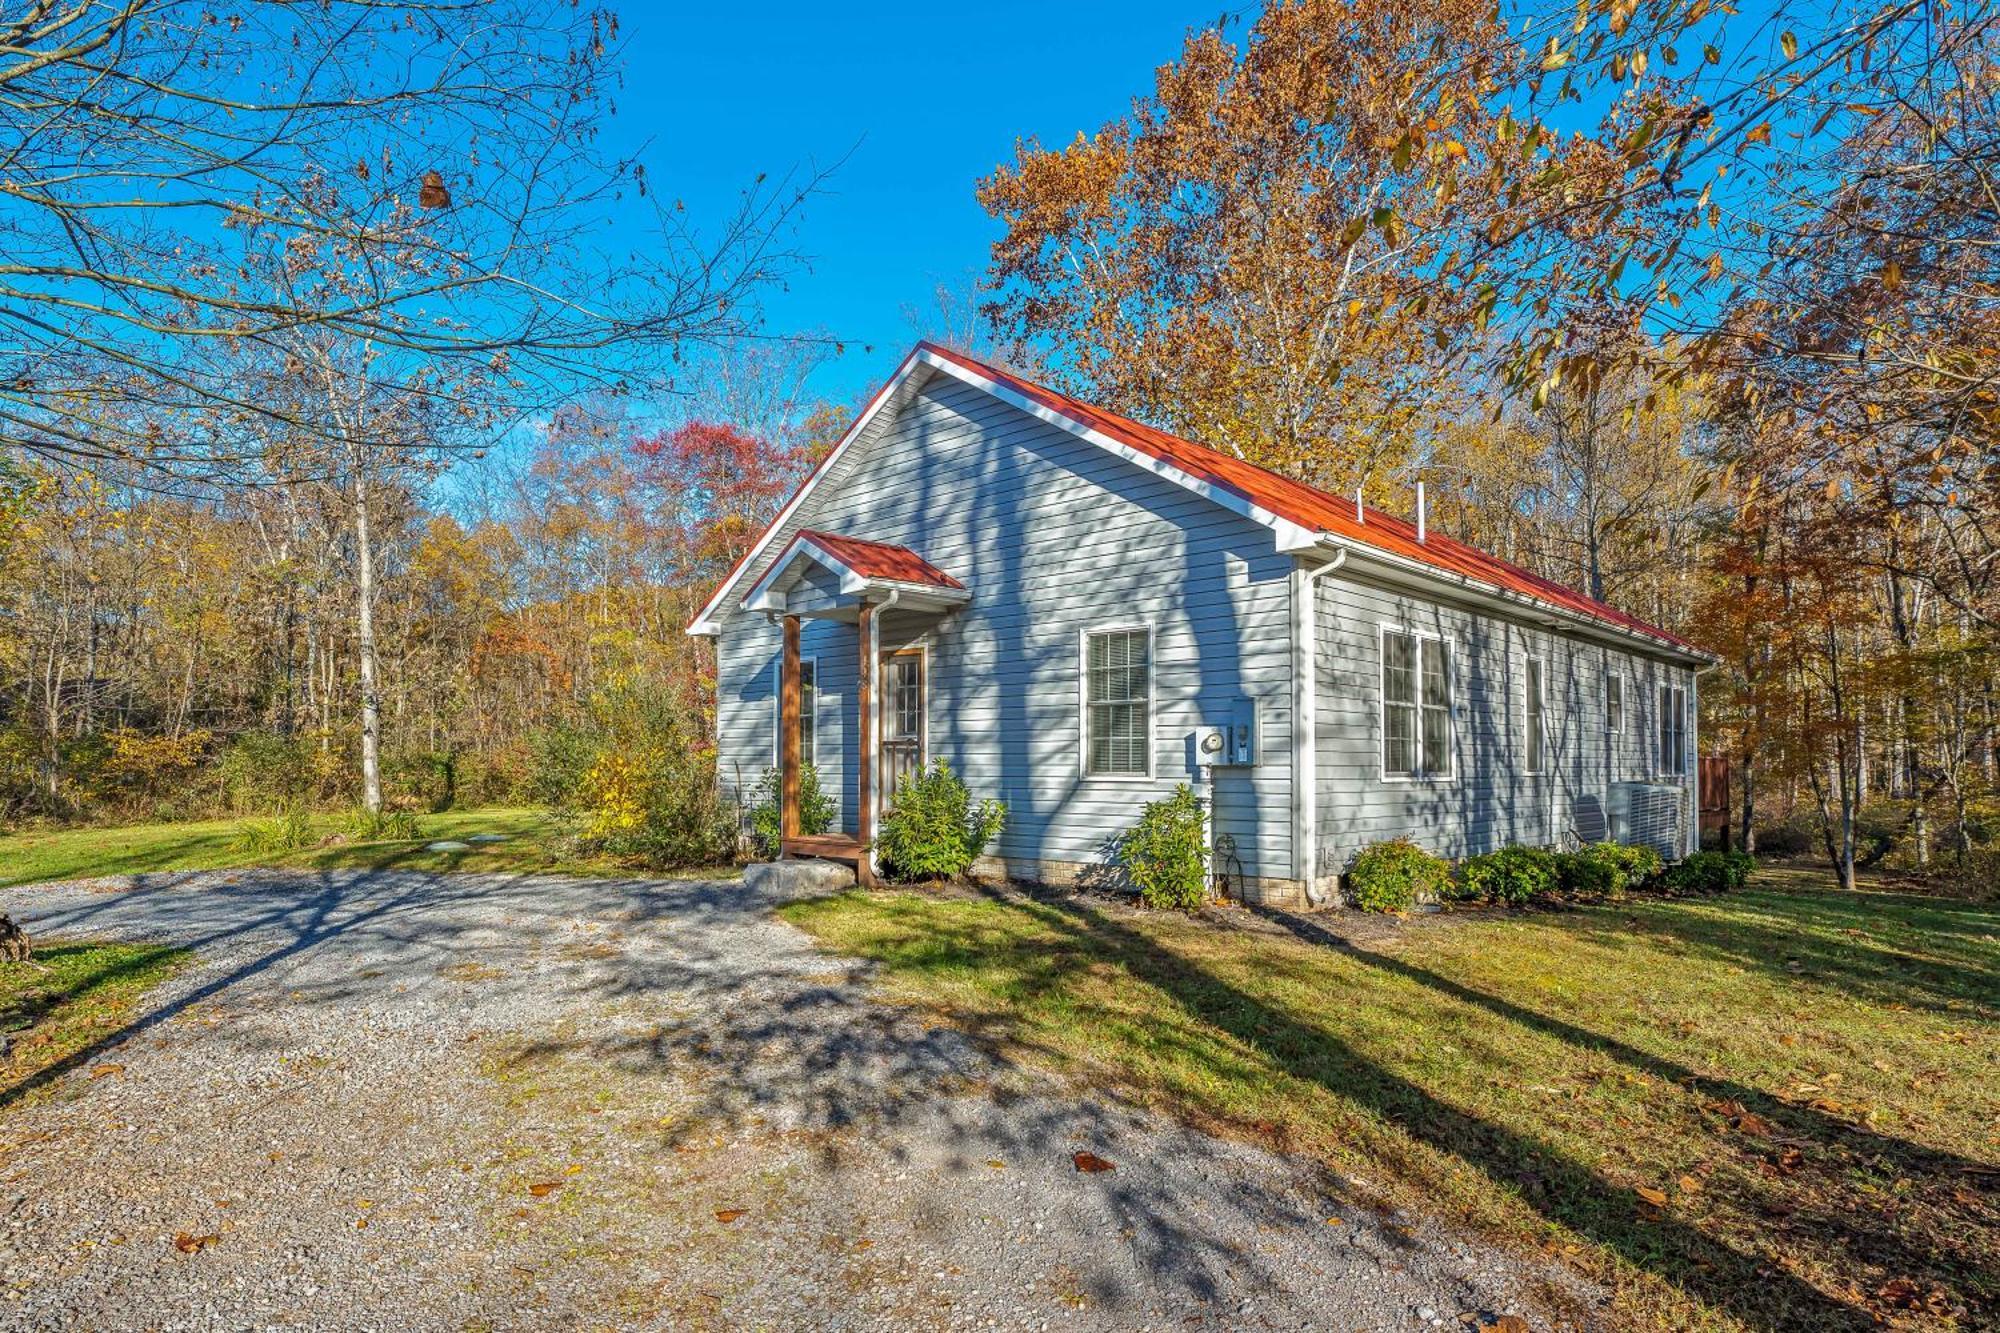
[396, 1100]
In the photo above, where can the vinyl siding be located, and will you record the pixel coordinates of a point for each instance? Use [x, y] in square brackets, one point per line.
[1490, 799]
[1053, 537]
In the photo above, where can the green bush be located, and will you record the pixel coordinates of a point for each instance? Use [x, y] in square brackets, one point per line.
[1163, 852]
[1605, 870]
[385, 826]
[816, 809]
[1707, 873]
[288, 832]
[560, 757]
[420, 780]
[1510, 876]
[1393, 876]
[933, 831]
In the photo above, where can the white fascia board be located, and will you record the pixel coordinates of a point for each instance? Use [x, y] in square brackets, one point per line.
[760, 597]
[705, 624]
[1514, 602]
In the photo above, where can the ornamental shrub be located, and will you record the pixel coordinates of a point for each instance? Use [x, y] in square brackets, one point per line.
[816, 809]
[933, 831]
[1587, 875]
[1636, 865]
[1393, 876]
[1511, 876]
[1163, 852]
[1707, 873]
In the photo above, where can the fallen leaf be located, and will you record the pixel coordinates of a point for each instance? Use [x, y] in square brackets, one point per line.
[188, 1244]
[1658, 1198]
[1507, 1323]
[360, 1224]
[729, 1214]
[543, 1188]
[1336, 1222]
[864, 1244]
[996, 1164]
[1091, 1162]
[102, 1070]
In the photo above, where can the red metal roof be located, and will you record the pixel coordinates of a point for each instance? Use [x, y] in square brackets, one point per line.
[871, 560]
[1310, 507]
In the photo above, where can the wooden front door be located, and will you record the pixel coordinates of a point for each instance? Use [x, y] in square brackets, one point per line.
[902, 720]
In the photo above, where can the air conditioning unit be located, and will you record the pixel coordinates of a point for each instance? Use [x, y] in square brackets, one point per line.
[1647, 814]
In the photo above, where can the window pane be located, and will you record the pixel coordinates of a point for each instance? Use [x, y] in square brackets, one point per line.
[1115, 682]
[1399, 665]
[808, 709]
[1398, 745]
[1437, 741]
[1534, 716]
[1437, 675]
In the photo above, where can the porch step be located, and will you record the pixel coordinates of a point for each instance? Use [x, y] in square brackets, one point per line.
[789, 879]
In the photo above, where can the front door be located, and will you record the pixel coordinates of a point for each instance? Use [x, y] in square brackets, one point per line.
[902, 720]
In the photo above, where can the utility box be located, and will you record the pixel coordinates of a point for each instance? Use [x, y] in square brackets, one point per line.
[1230, 742]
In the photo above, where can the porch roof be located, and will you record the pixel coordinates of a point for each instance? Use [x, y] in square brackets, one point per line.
[867, 570]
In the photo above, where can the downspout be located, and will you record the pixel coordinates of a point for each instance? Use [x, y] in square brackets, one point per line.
[1305, 723]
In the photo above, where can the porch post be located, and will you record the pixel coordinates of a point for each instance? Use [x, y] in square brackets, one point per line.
[864, 764]
[788, 723]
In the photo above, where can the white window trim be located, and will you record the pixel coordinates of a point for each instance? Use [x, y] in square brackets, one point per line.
[1083, 701]
[1624, 703]
[1537, 717]
[778, 711]
[1661, 769]
[1382, 773]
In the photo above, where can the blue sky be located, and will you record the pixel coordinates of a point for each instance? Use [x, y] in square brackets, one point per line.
[923, 100]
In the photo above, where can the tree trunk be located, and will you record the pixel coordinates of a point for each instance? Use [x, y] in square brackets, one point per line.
[364, 591]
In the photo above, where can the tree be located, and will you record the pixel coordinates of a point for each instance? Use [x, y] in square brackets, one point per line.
[1237, 258]
[158, 153]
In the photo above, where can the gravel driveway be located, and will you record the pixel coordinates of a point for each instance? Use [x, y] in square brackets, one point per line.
[399, 1100]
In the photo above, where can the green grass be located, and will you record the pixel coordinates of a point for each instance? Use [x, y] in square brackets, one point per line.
[1804, 1085]
[68, 1003]
[533, 845]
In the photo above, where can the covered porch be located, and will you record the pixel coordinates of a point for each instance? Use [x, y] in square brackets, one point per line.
[850, 580]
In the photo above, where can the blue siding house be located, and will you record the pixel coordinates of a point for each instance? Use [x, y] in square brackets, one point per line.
[1078, 612]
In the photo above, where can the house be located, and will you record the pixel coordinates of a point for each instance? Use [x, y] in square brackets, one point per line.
[1078, 612]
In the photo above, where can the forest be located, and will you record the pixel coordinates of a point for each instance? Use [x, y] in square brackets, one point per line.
[340, 469]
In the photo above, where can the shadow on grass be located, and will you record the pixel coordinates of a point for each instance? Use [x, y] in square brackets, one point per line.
[1556, 1186]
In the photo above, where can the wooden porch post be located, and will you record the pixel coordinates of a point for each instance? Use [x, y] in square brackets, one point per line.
[788, 723]
[864, 765]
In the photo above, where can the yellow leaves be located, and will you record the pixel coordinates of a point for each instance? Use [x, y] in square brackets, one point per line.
[1554, 57]
[1788, 42]
[188, 1243]
[1657, 1198]
[1758, 134]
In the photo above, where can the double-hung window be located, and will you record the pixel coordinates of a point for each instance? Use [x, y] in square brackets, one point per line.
[1536, 759]
[1673, 731]
[808, 713]
[1416, 706]
[1614, 704]
[1118, 671]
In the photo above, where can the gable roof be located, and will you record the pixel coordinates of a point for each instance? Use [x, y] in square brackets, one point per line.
[867, 560]
[1303, 516]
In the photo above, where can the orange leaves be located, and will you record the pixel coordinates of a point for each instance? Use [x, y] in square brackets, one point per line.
[729, 1215]
[543, 1188]
[188, 1243]
[1091, 1163]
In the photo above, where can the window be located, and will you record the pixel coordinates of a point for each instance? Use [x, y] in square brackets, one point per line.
[1117, 693]
[808, 714]
[1614, 705]
[1537, 724]
[1673, 731]
[1416, 706]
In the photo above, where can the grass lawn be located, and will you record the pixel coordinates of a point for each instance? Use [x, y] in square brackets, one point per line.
[532, 845]
[1774, 1110]
[57, 1009]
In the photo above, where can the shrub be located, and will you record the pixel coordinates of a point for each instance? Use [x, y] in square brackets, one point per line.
[1707, 872]
[1163, 852]
[420, 780]
[933, 831]
[288, 832]
[1588, 874]
[1629, 868]
[559, 759]
[385, 826]
[657, 804]
[1392, 876]
[1512, 875]
[816, 809]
